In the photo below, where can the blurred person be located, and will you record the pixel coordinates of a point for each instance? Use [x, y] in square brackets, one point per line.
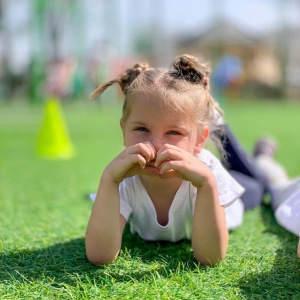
[60, 78]
[165, 184]
[227, 77]
[263, 174]
[285, 191]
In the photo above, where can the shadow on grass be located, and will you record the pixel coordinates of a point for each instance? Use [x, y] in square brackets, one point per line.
[283, 280]
[66, 263]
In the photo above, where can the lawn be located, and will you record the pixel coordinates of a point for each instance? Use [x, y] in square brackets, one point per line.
[44, 210]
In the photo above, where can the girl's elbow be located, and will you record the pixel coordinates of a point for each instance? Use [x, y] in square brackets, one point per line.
[209, 262]
[210, 258]
[99, 259]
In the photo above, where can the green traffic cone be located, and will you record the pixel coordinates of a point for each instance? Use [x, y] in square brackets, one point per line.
[53, 139]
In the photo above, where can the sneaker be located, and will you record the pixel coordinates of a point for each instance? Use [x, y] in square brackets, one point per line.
[265, 146]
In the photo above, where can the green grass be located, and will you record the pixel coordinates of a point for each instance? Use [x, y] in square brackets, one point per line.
[44, 211]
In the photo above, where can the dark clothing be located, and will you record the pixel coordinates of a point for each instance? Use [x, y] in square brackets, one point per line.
[242, 167]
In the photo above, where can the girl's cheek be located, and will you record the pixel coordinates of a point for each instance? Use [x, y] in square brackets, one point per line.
[186, 145]
[133, 140]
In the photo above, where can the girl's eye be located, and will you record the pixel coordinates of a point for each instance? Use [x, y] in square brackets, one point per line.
[141, 129]
[174, 132]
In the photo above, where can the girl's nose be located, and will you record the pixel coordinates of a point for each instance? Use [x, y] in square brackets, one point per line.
[157, 143]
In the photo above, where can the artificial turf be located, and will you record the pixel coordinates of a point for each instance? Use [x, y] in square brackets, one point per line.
[44, 210]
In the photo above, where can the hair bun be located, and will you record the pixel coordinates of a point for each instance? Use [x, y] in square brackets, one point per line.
[131, 74]
[189, 68]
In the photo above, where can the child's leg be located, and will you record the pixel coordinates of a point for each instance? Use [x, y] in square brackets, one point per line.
[238, 159]
[242, 167]
[254, 190]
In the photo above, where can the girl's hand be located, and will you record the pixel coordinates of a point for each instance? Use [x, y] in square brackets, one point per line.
[130, 162]
[173, 161]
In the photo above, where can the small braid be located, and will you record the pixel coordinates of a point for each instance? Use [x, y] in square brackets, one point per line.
[189, 68]
[124, 80]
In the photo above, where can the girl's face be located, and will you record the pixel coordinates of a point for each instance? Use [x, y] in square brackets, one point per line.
[147, 123]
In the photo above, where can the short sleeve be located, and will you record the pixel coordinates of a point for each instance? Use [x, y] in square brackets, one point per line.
[229, 189]
[126, 198]
[288, 213]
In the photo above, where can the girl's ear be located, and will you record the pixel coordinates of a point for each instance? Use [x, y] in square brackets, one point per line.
[201, 140]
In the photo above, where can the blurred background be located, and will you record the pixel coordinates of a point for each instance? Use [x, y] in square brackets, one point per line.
[66, 47]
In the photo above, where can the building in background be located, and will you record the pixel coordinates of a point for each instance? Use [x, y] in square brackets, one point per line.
[258, 55]
[102, 36]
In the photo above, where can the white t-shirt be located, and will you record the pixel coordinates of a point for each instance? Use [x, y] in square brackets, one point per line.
[138, 209]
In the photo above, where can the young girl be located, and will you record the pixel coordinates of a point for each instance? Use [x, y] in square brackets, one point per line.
[165, 183]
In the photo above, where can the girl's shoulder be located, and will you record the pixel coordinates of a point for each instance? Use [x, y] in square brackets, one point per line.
[208, 158]
[229, 189]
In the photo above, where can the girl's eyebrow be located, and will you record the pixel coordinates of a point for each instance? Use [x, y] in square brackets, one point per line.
[138, 123]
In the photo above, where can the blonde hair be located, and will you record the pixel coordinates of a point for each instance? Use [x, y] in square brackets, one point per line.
[183, 87]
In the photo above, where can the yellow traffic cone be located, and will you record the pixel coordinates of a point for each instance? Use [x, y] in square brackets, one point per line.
[53, 139]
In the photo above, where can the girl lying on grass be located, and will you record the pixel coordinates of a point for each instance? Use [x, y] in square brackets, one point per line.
[165, 183]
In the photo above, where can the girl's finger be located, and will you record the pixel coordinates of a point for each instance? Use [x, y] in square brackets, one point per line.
[151, 149]
[171, 166]
[144, 149]
[169, 146]
[167, 155]
[135, 158]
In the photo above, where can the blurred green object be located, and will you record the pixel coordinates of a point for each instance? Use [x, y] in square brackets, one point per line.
[53, 139]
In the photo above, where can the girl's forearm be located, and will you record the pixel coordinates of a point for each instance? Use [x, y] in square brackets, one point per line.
[209, 233]
[103, 235]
